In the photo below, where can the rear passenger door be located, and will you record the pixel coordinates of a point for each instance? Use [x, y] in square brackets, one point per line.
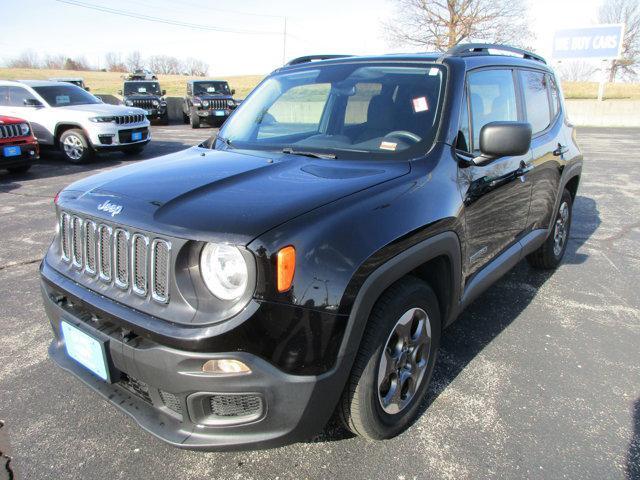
[496, 195]
[541, 99]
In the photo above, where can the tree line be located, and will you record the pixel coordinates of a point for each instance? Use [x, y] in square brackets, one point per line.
[114, 62]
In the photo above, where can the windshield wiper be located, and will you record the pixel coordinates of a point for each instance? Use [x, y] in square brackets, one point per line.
[291, 151]
[226, 141]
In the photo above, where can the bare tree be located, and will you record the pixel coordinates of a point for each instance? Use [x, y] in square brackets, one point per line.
[576, 71]
[442, 24]
[27, 59]
[134, 61]
[77, 63]
[164, 64]
[53, 62]
[627, 12]
[193, 66]
[114, 62]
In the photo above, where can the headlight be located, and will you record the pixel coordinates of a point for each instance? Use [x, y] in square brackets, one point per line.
[24, 128]
[129, 103]
[163, 104]
[224, 271]
[231, 103]
[102, 119]
[156, 103]
[205, 103]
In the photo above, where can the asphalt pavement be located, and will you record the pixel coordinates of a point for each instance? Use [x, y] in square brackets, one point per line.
[539, 378]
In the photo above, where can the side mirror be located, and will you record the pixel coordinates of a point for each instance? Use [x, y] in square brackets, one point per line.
[32, 102]
[233, 91]
[164, 92]
[503, 139]
[119, 92]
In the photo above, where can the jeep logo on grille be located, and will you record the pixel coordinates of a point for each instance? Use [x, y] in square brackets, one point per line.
[109, 207]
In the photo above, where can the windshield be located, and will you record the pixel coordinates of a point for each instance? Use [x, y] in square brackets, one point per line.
[204, 88]
[347, 110]
[142, 88]
[66, 95]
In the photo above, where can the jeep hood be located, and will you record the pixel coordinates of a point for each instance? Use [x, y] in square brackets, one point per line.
[230, 196]
[101, 109]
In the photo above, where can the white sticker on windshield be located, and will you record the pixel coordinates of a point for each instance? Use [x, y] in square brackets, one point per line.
[388, 146]
[211, 89]
[420, 104]
[62, 99]
[142, 89]
[433, 71]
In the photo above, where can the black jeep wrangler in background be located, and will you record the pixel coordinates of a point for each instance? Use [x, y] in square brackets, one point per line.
[209, 101]
[308, 258]
[146, 95]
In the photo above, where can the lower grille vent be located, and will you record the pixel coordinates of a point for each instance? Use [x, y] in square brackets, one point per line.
[137, 387]
[236, 405]
[171, 401]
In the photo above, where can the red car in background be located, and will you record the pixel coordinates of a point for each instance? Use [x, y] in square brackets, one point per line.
[18, 146]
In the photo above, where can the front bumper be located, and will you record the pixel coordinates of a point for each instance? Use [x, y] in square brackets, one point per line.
[211, 115]
[293, 407]
[29, 153]
[110, 135]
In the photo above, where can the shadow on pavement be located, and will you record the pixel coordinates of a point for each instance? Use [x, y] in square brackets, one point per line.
[492, 312]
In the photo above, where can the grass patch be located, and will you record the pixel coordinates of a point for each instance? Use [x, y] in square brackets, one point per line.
[589, 90]
[111, 82]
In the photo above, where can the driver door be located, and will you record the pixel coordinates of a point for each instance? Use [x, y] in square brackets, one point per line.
[496, 195]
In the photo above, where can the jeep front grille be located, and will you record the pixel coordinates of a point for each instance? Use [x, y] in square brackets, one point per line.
[126, 119]
[218, 104]
[143, 103]
[11, 131]
[114, 255]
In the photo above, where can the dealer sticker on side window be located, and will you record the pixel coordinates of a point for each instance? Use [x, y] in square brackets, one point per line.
[388, 146]
[62, 99]
[420, 104]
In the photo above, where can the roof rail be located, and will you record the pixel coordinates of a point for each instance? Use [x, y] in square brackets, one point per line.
[312, 58]
[471, 49]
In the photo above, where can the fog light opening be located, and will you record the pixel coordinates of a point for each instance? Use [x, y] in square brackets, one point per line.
[225, 366]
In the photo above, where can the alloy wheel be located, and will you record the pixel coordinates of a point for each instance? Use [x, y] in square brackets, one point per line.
[73, 147]
[560, 231]
[404, 360]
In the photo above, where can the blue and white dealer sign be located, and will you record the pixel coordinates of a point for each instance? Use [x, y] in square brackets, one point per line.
[597, 42]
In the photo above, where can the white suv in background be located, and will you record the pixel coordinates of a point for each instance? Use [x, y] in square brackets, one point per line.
[70, 118]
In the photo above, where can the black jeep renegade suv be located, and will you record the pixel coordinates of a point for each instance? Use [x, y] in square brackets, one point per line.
[309, 257]
[146, 95]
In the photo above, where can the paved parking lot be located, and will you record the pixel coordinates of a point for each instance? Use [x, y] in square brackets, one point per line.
[540, 378]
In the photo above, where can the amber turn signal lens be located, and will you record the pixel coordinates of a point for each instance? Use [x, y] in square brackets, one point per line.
[286, 267]
[225, 366]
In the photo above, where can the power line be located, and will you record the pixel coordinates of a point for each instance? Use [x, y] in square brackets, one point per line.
[215, 9]
[149, 18]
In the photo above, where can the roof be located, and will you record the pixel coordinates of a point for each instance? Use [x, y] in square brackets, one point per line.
[66, 79]
[206, 80]
[30, 83]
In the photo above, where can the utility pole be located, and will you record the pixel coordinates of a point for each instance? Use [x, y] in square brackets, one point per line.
[284, 42]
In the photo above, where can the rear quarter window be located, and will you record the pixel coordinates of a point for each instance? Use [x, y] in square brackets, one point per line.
[536, 99]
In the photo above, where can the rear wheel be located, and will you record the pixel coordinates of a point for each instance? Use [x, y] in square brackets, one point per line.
[550, 254]
[74, 146]
[20, 169]
[393, 367]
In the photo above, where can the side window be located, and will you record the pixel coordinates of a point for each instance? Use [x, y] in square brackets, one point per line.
[536, 99]
[358, 104]
[298, 110]
[463, 141]
[4, 96]
[492, 95]
[555, 96]
[18, 95]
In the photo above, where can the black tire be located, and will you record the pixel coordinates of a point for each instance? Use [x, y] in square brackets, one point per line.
[185, 118]
[74, 146]
[20, 169]
[164, 120]
[361, 406]
[195, 120]
[134, 149]
[550, 254]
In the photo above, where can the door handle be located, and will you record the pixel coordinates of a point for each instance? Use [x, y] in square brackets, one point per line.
[561, 150]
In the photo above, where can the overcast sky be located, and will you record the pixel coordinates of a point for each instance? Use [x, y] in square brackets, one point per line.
[256, 44]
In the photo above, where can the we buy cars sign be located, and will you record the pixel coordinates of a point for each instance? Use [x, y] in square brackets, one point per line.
[600, 41]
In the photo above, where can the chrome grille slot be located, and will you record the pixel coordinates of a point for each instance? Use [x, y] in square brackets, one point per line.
[139, 255]
[76, 242]
[116, 256]
[126, 119]
[121, 258]
[160, 254]
[90, 243]
[104, 252]
[65, 227]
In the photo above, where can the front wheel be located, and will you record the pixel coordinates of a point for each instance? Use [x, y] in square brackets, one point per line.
[74, 146]
[393, 367]
[550, 254]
